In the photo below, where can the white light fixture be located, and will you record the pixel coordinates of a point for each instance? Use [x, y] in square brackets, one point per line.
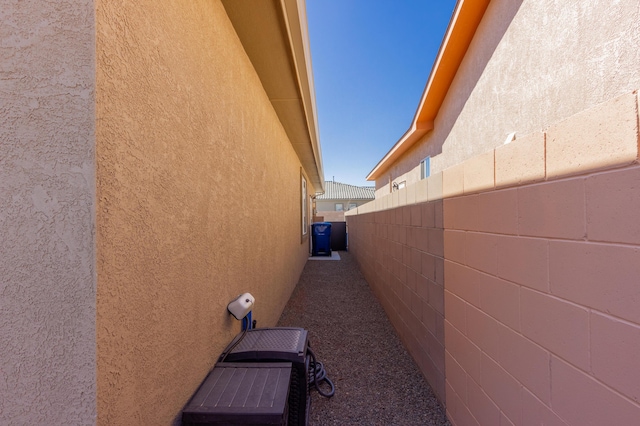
[241, 305]
[510, 138]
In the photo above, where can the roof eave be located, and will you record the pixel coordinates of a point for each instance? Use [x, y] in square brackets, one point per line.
[284, 68]
[462, 27]
[416, 131]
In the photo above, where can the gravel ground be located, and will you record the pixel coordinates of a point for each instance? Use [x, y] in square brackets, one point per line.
[376, 380]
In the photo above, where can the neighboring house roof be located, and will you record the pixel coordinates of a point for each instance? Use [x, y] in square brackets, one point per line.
[343, 191]
[464, 22]
[274, 35]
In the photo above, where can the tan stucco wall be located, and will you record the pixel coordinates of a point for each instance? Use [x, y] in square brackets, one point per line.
[198, 197]
[323, 206]
[47, 272]
[327, 209]
[531, 64]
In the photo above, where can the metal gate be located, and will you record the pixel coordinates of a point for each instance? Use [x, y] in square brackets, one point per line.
[338, 236]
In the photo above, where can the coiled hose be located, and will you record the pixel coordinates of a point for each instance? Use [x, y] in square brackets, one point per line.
[317, 375]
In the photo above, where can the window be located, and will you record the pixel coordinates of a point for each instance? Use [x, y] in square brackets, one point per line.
[425, 168]
[303, 207]
[339, 207]
[352, 206]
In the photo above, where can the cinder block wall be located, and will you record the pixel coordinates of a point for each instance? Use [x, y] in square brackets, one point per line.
[541, 276]
[331, 216]
[541, 265]
[400, 252]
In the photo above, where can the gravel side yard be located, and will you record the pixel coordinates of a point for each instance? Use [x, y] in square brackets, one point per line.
[377, 382]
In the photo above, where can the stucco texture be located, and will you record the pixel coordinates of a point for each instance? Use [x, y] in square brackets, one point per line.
[540, 235]
[198, 191]
[531, 64]
[47, 273]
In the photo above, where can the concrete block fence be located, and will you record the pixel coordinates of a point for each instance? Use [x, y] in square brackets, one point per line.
[517, 291]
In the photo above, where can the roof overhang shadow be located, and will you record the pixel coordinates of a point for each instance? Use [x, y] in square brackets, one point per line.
[275, 37]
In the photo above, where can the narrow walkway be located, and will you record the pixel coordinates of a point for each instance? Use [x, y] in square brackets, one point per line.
[377, 382]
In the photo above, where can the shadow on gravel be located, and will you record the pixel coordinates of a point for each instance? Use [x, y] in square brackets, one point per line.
[376, 380]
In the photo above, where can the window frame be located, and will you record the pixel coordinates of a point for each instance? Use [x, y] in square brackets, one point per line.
[425, 167]
[304, 207]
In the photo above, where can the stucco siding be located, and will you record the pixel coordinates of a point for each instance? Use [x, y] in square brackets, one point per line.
[198, 191]
[47, 272]
[530, 64]
[540, 248]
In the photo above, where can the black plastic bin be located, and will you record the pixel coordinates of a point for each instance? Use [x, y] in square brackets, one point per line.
[278, 344]
[241, 394]
[321, 239]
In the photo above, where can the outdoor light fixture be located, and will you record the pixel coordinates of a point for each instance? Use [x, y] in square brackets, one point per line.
[510, 138]
[241, 305]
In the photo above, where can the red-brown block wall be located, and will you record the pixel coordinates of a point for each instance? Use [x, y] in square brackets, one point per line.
[407, 257]
[545, 312]
[533, 280]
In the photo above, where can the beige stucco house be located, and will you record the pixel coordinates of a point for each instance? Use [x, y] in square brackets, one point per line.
[509, 262]
[156, 160]
[339, 197]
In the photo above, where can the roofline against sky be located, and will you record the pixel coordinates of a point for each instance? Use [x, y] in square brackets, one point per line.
[462, 27]
[285, 71]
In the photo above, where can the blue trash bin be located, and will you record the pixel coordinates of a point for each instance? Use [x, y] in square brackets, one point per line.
[321, 239]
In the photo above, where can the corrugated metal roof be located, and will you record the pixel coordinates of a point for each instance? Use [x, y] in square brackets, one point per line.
[343, 191]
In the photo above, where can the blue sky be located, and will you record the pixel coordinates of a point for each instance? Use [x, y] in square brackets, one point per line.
[371, 61]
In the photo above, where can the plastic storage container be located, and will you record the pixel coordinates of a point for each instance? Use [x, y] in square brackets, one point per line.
[278, 344]
[241, 393]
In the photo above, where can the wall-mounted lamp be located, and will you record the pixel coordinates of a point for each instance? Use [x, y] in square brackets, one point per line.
[510, 138]
[241, 307]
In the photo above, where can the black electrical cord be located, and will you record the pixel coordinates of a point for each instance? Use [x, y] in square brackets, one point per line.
[317, 375]
[244, 333]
